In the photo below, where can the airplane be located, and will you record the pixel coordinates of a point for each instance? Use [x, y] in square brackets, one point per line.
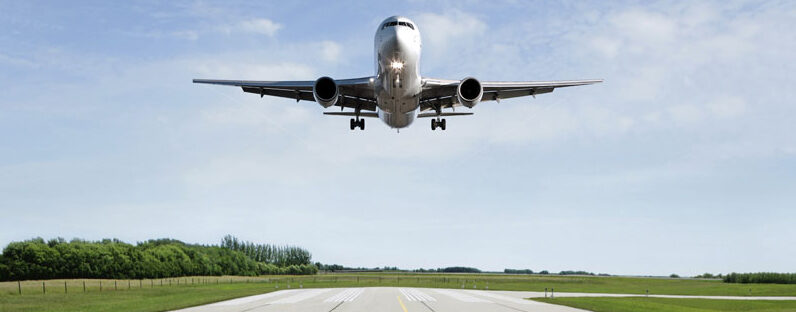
[398, 94]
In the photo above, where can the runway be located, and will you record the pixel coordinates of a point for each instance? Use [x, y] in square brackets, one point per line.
[404, 299]
[388, 299]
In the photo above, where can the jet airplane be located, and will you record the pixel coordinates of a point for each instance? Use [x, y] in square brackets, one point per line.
[398, 94]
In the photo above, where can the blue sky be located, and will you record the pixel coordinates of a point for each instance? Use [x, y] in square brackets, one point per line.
[683, 161]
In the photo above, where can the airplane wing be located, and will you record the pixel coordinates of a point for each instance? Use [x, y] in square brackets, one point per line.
[441, 93]
[357, 92]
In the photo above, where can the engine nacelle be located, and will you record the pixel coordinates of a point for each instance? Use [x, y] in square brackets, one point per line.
[325, 91]
[469, 92]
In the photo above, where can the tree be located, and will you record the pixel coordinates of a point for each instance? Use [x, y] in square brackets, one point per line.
[112, 258]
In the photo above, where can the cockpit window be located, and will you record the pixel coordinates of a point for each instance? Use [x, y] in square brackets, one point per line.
[391, 24]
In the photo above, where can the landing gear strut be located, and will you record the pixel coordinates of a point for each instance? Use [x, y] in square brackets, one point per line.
[357, 123]
[438, 123]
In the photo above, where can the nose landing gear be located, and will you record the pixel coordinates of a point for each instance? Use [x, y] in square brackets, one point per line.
[357, 123]
[435, 123]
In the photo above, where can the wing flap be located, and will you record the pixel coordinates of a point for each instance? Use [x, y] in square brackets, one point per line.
[441, 93]
[356, 92]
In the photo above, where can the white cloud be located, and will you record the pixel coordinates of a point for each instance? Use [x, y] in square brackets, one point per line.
[261, 26]
[686, 113]
[443, 33]
[17, 61]
[330, 51]
[727, 106]
[186, 34]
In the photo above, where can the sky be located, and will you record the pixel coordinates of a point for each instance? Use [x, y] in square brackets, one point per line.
[682, 161]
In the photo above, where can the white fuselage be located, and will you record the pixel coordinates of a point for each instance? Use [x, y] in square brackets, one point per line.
[398, 83]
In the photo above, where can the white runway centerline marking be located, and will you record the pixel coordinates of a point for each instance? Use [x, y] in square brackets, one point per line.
[347, 295]
[461, 296]
[413, 294]
[301, 296]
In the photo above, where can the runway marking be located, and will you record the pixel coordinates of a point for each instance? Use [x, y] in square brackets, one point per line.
[461, 296]
[510, 307]
[347, 295]
[301, 296]
[413, 294]
[427, 306]
[335, 307]
[249, 299]
[402, 303]
[505, 298]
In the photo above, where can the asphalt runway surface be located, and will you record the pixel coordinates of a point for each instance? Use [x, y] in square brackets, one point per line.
[388, 299]
[400, 299]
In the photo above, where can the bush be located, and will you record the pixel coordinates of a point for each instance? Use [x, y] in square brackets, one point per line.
[514, 271]
[459, 270]
[761, 278]
[575, 273]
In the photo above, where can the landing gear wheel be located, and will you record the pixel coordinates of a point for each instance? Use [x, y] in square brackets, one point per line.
[353, 124]
[433, 124]
[361, 124]
[442, 125]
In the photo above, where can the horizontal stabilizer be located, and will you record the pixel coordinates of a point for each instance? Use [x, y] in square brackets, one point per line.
[352, 114]
[430, 115]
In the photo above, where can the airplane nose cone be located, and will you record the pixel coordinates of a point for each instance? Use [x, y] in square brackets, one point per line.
[397, 41]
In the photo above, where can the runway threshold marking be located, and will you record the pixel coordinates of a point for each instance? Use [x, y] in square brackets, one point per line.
[346, 295]
[413, 294]
[402, 303]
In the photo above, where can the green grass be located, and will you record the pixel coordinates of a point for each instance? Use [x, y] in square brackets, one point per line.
[149, 295]
[146, 299]
[623, 304]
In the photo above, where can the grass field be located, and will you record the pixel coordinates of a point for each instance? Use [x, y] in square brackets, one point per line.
[158, 295]
[671, 304]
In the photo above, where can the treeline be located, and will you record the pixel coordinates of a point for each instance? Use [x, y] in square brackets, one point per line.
[543, 272]
[455, 269]
[279, 255]
[761, 278]
[709, 275]
[338, 267]
[575, 273]
[112, 258]
[518, 271]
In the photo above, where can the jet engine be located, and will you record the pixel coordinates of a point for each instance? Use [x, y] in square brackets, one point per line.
[325, 91]
[469, 92]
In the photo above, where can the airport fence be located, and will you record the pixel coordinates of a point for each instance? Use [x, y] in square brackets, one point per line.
[73, 286]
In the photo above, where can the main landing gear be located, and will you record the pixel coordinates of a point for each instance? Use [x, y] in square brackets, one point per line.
[358, 123]
[438, 123]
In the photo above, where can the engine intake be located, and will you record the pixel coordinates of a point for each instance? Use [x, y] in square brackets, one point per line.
[469, 92]
[325, 91]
